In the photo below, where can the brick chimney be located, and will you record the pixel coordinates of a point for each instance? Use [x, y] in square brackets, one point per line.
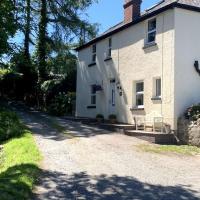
[132, 10]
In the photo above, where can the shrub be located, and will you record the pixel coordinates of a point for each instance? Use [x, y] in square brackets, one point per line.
[193, 112]
[10, 125]
[62, 104]
[99, 116]
[113, 118]
[54, 87]
[10, 84]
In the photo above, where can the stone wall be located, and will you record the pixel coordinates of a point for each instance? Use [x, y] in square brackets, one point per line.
[189, 132]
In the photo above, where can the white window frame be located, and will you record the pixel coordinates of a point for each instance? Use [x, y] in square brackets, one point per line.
[113, 97]
[94, 53]
[158, 86]
[93, 95]
[138, 93]
[151, 31]
[109, 53]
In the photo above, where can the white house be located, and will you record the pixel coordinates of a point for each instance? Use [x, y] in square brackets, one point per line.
[144, 68]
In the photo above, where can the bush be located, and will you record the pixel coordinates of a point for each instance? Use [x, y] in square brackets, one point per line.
[10, 84]
[193, 112]
[113, 118]
[99, 116]
[62, 104]
[54, 87]
[10, 125]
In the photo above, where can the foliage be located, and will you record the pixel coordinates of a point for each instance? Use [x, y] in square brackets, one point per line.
[28, 70]
[10, 125]
[44, 64]
[63, 62]
[62, 104]
[10, 84]
[20, 170]
[183, 149]
[193, 112]
[8, 25]
[3, 72]
[99, 116]
[66, 24]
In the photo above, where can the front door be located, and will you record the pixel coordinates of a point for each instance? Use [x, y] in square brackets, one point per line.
[112, 97]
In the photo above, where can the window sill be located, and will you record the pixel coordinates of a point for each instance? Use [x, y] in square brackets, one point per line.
[91, 107]
[137, 109]
[156, 98]
[92, 64]
[107, 59]
[150, 44]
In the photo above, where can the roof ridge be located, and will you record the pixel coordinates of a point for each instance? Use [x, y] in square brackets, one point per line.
[114, 26]
[160, 2]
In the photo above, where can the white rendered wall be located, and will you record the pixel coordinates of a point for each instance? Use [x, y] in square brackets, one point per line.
[131, 63]
[187, 50]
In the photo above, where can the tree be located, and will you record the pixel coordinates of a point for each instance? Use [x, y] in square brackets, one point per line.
[27, 31]
[53, 28]
[8, 25]
[42, 47]
[63, 18]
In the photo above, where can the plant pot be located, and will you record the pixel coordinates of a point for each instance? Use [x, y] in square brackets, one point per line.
[100, 120]
[113, 121]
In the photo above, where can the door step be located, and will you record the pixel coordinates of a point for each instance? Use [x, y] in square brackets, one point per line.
[153, 137]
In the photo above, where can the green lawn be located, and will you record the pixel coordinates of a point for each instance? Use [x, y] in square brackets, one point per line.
[19, 167]
[182, 149]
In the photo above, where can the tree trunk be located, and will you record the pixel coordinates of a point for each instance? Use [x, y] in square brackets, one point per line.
[27, 31]
[42, 42]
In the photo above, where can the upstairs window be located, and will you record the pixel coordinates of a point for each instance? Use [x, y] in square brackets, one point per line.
[94, 53]
[109, 53]
[140, 94]
[151, 34]
[93, 95]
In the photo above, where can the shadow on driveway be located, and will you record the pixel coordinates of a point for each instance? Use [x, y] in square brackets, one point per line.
[85, 187]
[53, 127]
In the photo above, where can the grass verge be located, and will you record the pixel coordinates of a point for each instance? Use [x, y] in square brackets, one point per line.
[19, 169]
[182, 149]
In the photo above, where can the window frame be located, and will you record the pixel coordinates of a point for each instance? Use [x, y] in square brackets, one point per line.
[94, 53]
[158, 86]
[151, 31]
[113, 97]
[139, 93]
[109, 51]
[93, 95]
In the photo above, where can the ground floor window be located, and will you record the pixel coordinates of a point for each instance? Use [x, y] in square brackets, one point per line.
[140, 94]
[113, 97]
[158, 87]
[93, 95]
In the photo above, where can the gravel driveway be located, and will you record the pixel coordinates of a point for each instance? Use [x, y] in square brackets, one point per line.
[99, 165]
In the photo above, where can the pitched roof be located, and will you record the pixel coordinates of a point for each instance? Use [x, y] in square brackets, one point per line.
[155, 9]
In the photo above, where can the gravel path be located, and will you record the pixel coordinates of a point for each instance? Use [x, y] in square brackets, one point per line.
[99, 165]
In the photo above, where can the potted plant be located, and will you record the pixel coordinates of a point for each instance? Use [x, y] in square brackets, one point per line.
[100, 118]
[113, 118]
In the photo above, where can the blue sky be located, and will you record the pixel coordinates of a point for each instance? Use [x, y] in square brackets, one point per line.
[110, 12]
